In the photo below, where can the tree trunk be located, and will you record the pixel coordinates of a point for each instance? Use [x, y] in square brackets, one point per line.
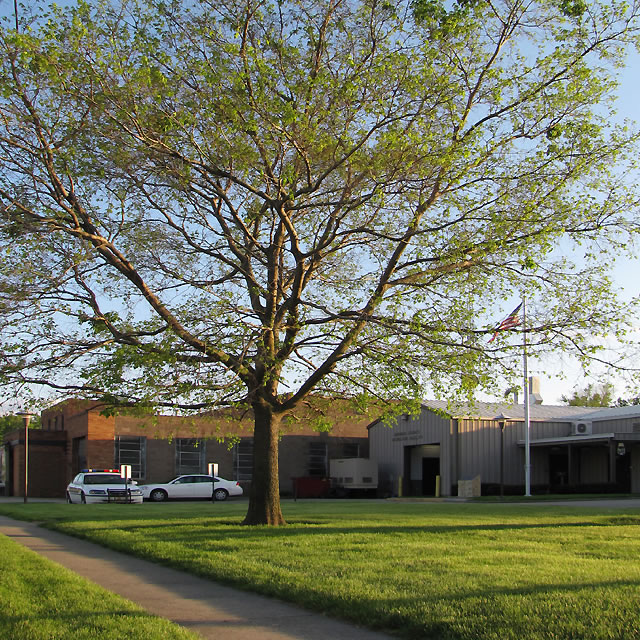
[264, 494]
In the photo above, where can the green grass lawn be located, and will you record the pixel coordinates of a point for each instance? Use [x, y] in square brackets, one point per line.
[39, 600]
[446, 571]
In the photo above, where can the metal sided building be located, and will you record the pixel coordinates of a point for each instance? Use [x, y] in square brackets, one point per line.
[573, 449]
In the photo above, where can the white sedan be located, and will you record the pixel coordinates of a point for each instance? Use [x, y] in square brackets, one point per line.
[102, 485]
[192, 487]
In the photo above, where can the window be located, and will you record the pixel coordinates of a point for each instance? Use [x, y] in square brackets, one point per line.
[132, 450]
[351, 450]
[318, 459]
[243, 460]
[190, 455]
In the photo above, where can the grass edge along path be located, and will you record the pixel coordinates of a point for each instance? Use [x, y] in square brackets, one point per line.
[445, 572]
[41, 600]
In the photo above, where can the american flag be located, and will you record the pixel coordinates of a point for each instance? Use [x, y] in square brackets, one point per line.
[511, 321]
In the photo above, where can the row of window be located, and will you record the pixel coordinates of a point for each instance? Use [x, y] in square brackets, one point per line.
[191, 456]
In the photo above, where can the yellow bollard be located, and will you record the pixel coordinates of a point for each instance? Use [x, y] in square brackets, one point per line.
[437, 486]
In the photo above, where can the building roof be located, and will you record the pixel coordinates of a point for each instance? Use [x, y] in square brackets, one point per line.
[610, 413]
[537, 412]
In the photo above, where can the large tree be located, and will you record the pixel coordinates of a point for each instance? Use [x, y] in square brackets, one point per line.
[241, 202]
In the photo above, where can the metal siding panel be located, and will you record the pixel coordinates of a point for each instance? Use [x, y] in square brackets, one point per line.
[467, 451]
[624, 425]
[513, 456]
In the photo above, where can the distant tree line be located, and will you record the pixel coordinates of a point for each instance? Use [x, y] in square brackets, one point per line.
[598, 395]
[12, 422]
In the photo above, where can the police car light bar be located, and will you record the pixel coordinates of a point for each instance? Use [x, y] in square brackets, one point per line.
[99, 470]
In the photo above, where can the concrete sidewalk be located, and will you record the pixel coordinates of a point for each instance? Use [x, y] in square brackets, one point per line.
[212, 610]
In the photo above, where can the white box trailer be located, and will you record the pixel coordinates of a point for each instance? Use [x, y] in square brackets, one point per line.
[351, 474]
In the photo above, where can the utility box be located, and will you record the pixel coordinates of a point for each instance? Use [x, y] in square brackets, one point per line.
[353, 475]
[470, 488]
[311, 487]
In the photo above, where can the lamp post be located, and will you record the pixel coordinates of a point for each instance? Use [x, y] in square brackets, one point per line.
[501, 423]
[26, 419]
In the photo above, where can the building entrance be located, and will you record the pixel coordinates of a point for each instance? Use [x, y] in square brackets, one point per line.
[558, 470]
[623, 472]
[421, 467]
[430, 470]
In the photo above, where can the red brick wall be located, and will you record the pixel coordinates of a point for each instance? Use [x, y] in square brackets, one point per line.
[80, 423]
[220, 453]
[160, 460]
[100, 443]
[69, 418]
[161, 432]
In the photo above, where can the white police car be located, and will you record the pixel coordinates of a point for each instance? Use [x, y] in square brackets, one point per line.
[102, 485]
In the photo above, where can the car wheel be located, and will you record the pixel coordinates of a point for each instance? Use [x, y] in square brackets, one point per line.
[69, 501]
[158, 495]
[83, 498]
[220, 494]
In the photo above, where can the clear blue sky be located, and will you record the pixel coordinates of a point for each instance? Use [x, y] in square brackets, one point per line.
[626, 272]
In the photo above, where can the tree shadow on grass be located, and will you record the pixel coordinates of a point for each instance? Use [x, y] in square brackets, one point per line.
[487, 605]
[576, 610]
[221, 529]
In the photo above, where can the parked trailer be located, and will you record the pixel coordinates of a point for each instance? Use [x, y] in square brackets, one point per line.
[351, 476]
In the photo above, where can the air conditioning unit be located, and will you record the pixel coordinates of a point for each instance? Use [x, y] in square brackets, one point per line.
[581, 428]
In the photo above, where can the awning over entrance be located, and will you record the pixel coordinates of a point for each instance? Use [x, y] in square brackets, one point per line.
[592, 438]
[592, 460]
[595, 438]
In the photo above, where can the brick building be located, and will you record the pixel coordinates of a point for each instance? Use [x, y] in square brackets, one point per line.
[76, 434]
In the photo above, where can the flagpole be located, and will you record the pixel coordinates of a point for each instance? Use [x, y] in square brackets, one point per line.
[527, 442]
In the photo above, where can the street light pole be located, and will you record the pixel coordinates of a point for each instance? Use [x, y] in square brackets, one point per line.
[527, 419]
[501, 423]
[501, 420]
[26, 418]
